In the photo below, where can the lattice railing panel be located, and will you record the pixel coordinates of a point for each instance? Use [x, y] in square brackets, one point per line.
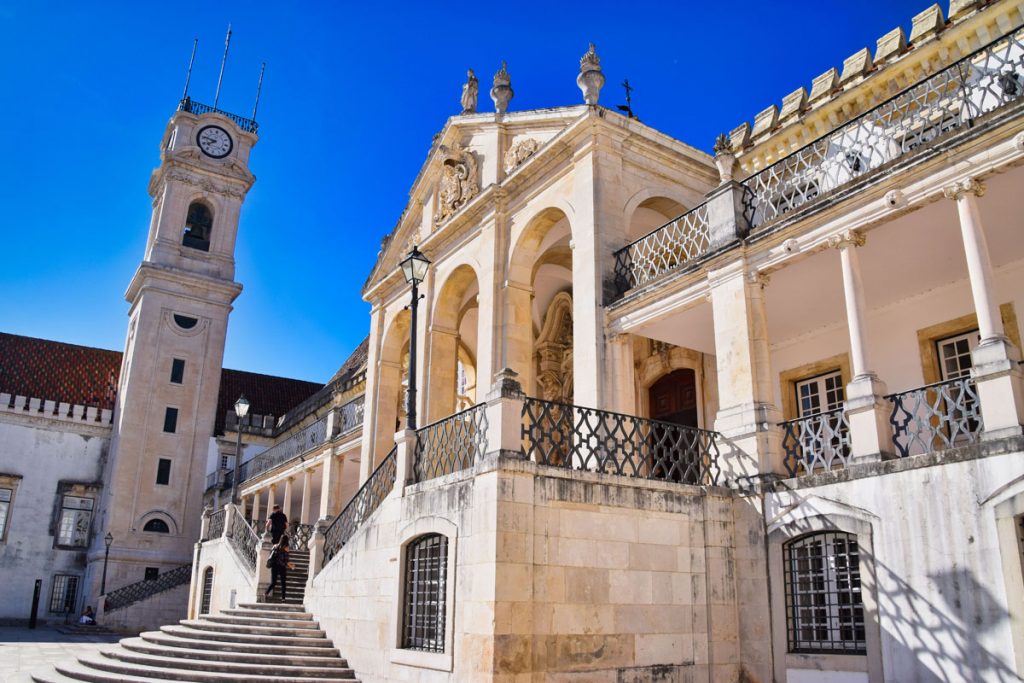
[578, 438]
[451, 444]
[299, 443]
[244, 539]
[948, 100]
[299, 535]
[216, 526]
[935, 417]
[197, 108]
[352, 415]
[670, 246]
[367, 499]
[130, 594]
[816, 443]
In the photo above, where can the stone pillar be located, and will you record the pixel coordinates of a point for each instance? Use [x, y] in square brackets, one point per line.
[622, 373]
[262, 572]
[204, 524]
[517, 333]
[271, 495]
[307, 495]
[255, 506]
[329, 475]
[405, 453]
[444, 353]
[505, 414]
[371, 414]
[726, 221]
[229, 517]
[996, 362]
[747, 416]
[591, 255]
[866, 409]
[316, 550]
[286, 506]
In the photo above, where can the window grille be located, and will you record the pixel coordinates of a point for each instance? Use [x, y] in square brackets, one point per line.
[426, 569]
[5, 507]
[824, 612]
[204, 604]
[157, 526]
[64, 593]
[75, 518]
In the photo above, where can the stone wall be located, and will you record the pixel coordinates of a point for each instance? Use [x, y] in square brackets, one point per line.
[233, 582]
[150, 614]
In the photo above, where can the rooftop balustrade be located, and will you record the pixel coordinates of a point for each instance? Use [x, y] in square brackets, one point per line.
[197, 108]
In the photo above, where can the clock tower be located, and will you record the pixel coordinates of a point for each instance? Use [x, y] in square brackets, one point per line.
[180, 298]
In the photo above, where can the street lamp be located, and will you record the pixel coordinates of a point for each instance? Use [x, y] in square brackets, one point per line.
[241, 410]
[108, 539]
[414, 267]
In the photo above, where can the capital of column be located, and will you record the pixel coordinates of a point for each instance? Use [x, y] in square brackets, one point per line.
[758, 278]
[847, 238]
[962, 188]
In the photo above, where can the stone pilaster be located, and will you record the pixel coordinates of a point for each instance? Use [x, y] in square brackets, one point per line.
[316, 550]
[725, 214]
[505, 414]
[405, 454]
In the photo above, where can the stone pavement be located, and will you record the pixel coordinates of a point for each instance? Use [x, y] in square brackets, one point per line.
[24, 651]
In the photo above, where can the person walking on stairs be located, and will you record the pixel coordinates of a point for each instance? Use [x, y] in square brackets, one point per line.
[279, 566]
[276, 524]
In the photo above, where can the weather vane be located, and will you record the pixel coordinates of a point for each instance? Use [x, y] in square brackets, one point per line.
[628, 106]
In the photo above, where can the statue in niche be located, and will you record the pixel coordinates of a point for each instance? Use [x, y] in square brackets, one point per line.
[459, 182]
[469, 93]
[553, 362]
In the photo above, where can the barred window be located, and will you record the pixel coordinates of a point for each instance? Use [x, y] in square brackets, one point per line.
[204, 603]
[426, 569]
[5, 508]
[75, 518]
[64, 593]
[824, 612]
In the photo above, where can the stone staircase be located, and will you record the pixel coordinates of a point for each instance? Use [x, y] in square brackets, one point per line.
[296, 580]
[271, 642]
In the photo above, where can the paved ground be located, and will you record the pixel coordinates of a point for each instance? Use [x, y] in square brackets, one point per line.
[24, 651]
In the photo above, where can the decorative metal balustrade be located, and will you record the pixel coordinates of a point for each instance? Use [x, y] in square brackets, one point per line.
[213, 479]
[244, 539]
[299, 535]
[197, 108]
[578, 438]
[302, 441]
[367, 499]
[935, 417]
[674, 244]
[946, 101]
[133, 593]
[215, 529]
[451, 444]
[352, 415]
[816, 443]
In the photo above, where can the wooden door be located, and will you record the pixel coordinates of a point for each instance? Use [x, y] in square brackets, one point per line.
[673, 398]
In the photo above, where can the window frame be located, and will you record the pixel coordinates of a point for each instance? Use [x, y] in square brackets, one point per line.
[177, 371]
[160, 469]
[62, 506]
[152, 531]
[424, 584]
[9, 482]
[167, 419]
[76, 581]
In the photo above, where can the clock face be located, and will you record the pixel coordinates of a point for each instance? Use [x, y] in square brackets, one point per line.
[214, 141]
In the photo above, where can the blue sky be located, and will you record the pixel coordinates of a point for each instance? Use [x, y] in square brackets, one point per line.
[353, 94]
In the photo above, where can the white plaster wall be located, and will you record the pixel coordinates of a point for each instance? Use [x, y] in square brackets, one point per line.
[230, 575]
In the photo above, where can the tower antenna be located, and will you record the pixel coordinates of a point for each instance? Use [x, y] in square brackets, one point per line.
[188, 76]
[259, 87]
[223, 61]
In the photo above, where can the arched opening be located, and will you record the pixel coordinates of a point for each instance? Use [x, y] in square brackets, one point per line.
[392, 385]
[198, 226]
[425, 588]
[651, 214]
[453, 345]
[157, 526]
[207, 596]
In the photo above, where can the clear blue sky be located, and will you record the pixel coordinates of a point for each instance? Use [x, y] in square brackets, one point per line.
[352, 96]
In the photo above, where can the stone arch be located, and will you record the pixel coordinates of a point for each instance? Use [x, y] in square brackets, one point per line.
[158, 516]
[391, 383]
[662, 360]
[454, 335]
[199, 220]
[647, 214]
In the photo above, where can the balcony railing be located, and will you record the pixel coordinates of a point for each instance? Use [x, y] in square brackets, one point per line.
[352, 415]
[565, 435]
[133, 593]
[216, 526]
[367, 499]
[935, 417]
[816, 443]
[197, 108]
[946, 101]
[674, 244]
[244, 539]
[298, 443]
[451, 444]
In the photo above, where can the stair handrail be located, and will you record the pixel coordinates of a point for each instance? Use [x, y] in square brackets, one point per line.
[243, 538]
[363, 504]
[140, 590]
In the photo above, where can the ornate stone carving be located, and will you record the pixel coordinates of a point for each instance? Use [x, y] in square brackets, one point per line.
[520, 151]
[554, 351]
[894, 199]
[962, 188]
[758, 278]
[847, 238]
[203, 183]
[470, 91]
[459, 181]
[725, 160]
[590, 79]
[502, 92]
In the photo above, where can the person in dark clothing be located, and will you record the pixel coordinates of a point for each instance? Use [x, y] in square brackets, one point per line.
[279, 566]
[277, 524]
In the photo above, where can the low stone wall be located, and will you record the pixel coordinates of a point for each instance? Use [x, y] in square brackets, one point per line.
[150, 614]
[233, 582]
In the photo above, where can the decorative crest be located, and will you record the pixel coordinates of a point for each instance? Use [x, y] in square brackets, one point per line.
[469, 93]
[520, 151]
[459, 182]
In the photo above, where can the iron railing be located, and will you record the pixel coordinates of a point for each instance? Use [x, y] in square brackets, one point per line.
[367, 499]
[580, 438]
[816, 442]
[352, 415]
[935, 417]
[945, 101]
[213, 479]
[676, 243]
[300, 442]
[132, 593]
[451, 444]
[216, 527]
[299, 535]
[244, 539]
[197, 108]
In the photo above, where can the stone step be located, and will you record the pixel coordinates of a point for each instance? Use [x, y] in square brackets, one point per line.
[251, 638]
[274, 622]
[197, 651]
[99, 669]
[165, 640]
[267, 613]
[276, 608]
[187, 666]
[204, 625]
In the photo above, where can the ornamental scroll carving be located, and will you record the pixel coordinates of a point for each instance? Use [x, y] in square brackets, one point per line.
[519, 152]
[459, 181]
[554, 351]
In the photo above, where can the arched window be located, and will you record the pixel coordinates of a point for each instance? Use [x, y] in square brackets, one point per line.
[824, 612]
[204, 602]
[426, 574]
[157, 526]
[198, 226]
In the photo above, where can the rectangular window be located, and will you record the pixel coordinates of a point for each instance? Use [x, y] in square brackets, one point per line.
[955, 355]
[819, 394]
[152, 573]
[5, 509]
[177, 371]
[171, 420]
[225, 462]
[426, 572]
[163, 472]
[75, 518]
[64, 594]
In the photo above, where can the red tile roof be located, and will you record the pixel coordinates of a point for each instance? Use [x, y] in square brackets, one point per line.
[57, 371]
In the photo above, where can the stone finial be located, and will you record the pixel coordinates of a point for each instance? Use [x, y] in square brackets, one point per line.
[766, 120]
[927, 23]
[958, 8]
[793, 104]
[502, 92]
[740, 136]
[824, 85]
[590, 79]
[892, 44]
[469, 93]
[724, 158]
[856, 65]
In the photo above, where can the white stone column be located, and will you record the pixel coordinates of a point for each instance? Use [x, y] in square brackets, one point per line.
[996, 362]
[286, 506]
[307, 496]
[329, 473]
[867, 411]
[272, 491]
[505, 414]
[256, 506]
[370, 396]
[622, 374]
[405, 452]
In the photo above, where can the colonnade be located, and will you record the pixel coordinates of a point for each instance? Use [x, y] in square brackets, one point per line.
[294, 491]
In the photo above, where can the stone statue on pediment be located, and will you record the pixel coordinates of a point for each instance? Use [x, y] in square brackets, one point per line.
[470, 91]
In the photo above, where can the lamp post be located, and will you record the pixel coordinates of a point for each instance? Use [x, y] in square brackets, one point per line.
[241, 410]
[414, 267]
[108, 539]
